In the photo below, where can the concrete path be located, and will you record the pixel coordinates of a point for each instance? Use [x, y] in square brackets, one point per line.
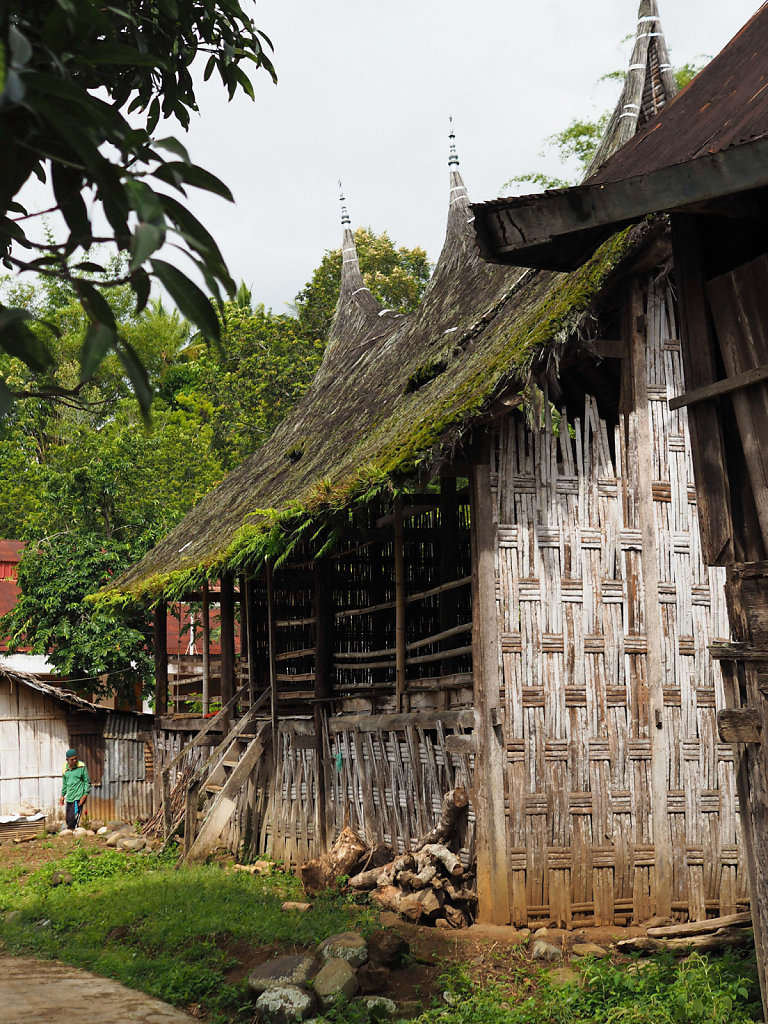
[45, 992]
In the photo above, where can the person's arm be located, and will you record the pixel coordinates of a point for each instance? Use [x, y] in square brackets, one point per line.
[63, 788]
[87, 781]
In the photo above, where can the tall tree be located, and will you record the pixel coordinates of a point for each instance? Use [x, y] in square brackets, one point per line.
[396, 277]
[71, 74]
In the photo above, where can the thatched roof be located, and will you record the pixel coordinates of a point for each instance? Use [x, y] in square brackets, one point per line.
[394, 394]
[33, 682]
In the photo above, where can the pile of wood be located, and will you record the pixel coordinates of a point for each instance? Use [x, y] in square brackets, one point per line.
[427, 885]
[711, 936]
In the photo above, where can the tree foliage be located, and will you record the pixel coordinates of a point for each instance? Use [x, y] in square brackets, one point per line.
[576, 145]
[396, 277]
[83, 87]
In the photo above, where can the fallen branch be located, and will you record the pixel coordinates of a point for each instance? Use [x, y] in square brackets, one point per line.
[714, 924]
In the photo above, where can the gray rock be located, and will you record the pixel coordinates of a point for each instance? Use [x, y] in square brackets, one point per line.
[589, 949]
[120, 833]
[335, 979]
[283, 970]
[96, 824]
[61, 878]
[345, 946]
[285, 1004]
[387, 948]
[80, 831]
[102, 831]
[380, 1008]
[546, 951]
[66, 832]
[131, 844]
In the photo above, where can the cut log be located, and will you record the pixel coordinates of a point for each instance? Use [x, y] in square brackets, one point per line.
[456, 917]
[368, 879]
[440, 853]
[417, 879]
[322, 872]
[455, 802]
[463, 895]
[389, 897]
[675, 931]
[432, 902]
[725, 938]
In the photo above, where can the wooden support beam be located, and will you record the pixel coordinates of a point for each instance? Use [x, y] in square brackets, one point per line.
[713, 496]
[161, 659]
[739, 725]
[324, 643]
[227, 622]
[721, 387]
[400, 655]
[252, 648]
[488, 797]
[449, 560]
[206, 617]
[662, 839]
[272, 640]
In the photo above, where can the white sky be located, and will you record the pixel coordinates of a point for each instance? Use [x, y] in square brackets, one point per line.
[364, 94]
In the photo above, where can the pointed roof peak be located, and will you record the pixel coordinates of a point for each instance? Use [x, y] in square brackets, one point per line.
[649, 84]
[453, 157]
[344, 215]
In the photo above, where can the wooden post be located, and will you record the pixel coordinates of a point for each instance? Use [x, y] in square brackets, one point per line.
[400, 684]
[272, 658]
[250, 617]
[161, 659]
[324, 626]
[449, 542]
[206, 616]
[488, 797]
[707, 446]
[227, 620]
[662, 840]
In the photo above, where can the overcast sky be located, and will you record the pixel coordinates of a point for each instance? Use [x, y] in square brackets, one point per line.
[364, 94]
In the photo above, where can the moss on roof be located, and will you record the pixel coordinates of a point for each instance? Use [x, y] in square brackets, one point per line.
[379, 410]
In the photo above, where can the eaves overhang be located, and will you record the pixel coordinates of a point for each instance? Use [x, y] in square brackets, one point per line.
[560, 230]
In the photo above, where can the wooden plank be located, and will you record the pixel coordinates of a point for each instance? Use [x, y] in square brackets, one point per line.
[390, 723]
[651, 602]
[707, 445]
[324, 640]
[227, 621]
[400, 680]
[740, 310]
[491, 842]
[701, 927]
[252, 646]
[739, 725]
[456, 652]
[721, 387]
[272, 640]
[206, 618]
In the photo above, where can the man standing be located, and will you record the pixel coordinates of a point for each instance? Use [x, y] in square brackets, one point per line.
[75, 787]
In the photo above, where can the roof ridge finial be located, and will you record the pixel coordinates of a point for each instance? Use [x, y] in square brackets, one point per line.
[344, 215]
[453, 157]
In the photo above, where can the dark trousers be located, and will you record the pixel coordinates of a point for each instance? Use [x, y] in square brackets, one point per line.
[70, 810]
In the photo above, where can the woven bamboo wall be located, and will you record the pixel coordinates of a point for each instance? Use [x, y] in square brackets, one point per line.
[572, 599]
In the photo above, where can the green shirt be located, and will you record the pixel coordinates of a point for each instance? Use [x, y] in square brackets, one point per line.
[75, 782]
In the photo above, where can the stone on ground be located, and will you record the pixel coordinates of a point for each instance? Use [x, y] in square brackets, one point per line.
[561, 976]
[372, 977]
[345, 946]
[387, 948]
[337, 978]
[66, 832]
[61, 878]
[132, 844]
[282, 971]
[380, 1008]
[589, 949]
[285, 1004]
[546, 951]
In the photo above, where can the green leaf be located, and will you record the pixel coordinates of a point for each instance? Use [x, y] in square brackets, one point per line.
[116, 53]
[193, 303]
[136, 374]
[146, 239]
[17, 339]
[173, 146]
[96, 306]
[98, 340]
[6, 398]
[191, 174]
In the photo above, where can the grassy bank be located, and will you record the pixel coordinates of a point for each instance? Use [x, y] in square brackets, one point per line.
[184, 935]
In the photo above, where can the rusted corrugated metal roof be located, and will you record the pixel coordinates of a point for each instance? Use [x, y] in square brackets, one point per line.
[724, 106]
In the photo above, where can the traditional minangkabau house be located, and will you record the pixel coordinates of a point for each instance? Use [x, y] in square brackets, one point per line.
[703, 162]
[471, 556]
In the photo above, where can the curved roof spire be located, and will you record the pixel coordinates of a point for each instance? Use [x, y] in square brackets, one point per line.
[649, 84]
[459, 214]
[356, 309]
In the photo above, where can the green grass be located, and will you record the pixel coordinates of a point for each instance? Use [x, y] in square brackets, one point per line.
[655, 990]
[165, 932]
[161, 930]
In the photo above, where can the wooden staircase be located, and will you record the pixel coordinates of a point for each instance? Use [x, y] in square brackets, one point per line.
[211, 795]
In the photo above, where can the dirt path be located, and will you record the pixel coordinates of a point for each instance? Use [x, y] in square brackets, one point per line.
[45, 992]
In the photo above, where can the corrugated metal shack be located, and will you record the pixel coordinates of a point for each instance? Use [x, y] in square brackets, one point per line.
[38, 722]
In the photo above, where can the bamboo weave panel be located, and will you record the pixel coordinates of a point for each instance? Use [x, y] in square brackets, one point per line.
[574, 657]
